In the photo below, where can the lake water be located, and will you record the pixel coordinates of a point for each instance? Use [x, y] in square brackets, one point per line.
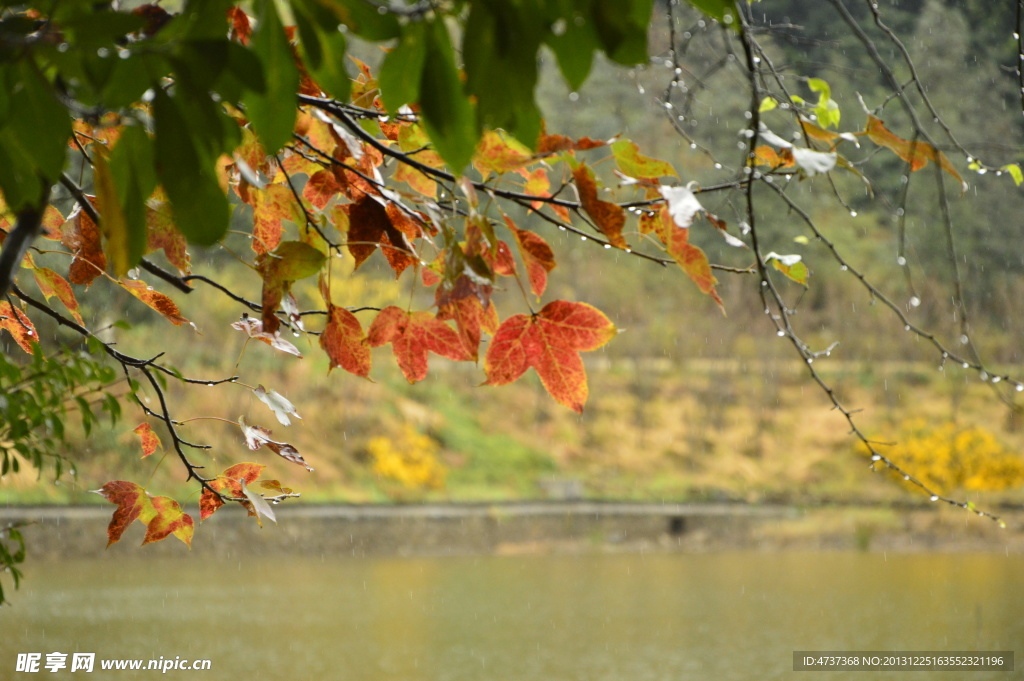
[603, 617]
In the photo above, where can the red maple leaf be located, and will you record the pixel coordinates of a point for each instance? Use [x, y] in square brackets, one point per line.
[132, 501]
[412, 335]
[549, 341]
[345, 343]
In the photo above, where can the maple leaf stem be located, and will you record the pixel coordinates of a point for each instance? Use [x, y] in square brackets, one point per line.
[241, 353]
[156, 468]
[207, 418]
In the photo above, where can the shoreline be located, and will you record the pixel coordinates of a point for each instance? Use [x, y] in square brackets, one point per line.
[530, 527]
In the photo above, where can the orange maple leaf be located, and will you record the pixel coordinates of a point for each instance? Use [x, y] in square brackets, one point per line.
[162, 516]
[168, 519]
[156, 300]
[148, 438]
[915, 153]
[81, 235]
[412, 335]
[163, 235]
[269, 207]
[537, 256]
[610, 218]
[470, 318]
[52, 285]
[230, 483]
[550, 342]
[345, 343]
[19, 326]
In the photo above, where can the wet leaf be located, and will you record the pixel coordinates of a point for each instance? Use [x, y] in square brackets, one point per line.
[17, 323]
[168, 519]
[156, 300]
[412, 336]
[813, 162]
[345, 342]
[537, 256]
[1014, 171]
[634, 164]
[693, 262]
[290, 261]
[254, 329]
[550, 342]
[789, 265]
[148, 439]
[255, 436]
[448, 115]
[321, 188]
[272, 113]
[132, 502]
[82, 236]
[52, 285]
[229, 483]
[163, 235]
[370, 228]
[259, 504]
[498, 153]
[121, 248]
[915, 153]
[278, 404]
[288, 453]
[471, 318]
[609, 218]
[269, 207]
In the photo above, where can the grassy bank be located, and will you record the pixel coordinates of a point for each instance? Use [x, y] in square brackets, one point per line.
[753, 430]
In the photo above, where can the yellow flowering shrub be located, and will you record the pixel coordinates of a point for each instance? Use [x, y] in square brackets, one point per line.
[411, 461]
[946, 457]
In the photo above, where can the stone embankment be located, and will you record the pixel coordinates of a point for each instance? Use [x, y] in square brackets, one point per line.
[439, 529]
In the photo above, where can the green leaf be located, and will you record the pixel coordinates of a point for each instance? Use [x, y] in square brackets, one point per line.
[112, 219]
[134, 177]
[296, 260]
[621, 26]
[1014, 170]
[37, 123]
[826, 110]
[401, 73]
[272, 114]
[722, 10]
[574, 48]
[323, 48]
[634, 164]
[200, 208]
[448, 116]
[767, 104]
[363, 18]
[790, 265]
[499, 49]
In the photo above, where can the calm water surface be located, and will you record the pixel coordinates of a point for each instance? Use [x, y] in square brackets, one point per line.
[722, 616]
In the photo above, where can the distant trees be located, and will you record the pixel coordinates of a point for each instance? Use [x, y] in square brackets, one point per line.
[130, 136]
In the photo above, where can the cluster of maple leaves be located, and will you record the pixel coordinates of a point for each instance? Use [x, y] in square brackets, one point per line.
[360, 179]
[340, 188]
